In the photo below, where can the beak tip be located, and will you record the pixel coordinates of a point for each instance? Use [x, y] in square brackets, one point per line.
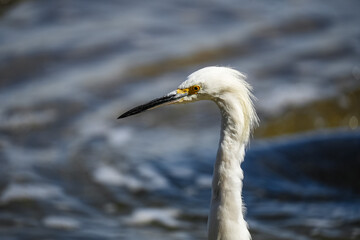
[151, 105]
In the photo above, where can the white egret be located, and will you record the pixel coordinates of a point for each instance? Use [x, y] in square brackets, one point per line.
[229, 90]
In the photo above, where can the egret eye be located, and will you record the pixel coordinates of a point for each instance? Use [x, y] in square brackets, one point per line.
[194, 89]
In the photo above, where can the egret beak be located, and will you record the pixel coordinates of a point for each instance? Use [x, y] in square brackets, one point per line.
[170, 98]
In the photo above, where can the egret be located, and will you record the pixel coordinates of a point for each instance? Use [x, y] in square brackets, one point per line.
[232, 94]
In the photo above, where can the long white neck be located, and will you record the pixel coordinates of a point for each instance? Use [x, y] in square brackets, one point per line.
[226, 219]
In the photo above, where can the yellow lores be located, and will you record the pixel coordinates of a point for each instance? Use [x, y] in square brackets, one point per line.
[191, 90]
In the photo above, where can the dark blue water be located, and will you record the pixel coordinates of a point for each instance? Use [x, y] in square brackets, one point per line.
[304, 187]
[70, 170]
[307, 184]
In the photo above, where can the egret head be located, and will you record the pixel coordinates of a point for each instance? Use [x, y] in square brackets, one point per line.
[220, 84]
[212, 83]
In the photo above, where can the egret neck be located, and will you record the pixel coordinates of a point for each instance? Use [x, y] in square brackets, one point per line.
[226, 220]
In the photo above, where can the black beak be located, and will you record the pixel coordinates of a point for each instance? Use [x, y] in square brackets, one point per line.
[167, 99]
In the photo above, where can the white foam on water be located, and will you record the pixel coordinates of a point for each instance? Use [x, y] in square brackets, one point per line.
[61, 222]
[29, 119]
[119, 136]
[289, 95]
[153, 179]
[204, 181]
[110, 176]
[23, 157]
[320, 223]
[182, 171]
[15, 192]
[70, 84]
[164, 216]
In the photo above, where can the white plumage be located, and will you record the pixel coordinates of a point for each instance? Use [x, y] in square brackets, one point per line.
[229, 90]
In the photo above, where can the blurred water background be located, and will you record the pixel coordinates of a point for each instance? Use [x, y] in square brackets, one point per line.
[70, 170]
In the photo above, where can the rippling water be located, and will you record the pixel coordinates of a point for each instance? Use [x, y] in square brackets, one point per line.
[70, 170]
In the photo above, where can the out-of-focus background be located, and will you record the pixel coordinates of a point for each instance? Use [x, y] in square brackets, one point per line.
[70, 170]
